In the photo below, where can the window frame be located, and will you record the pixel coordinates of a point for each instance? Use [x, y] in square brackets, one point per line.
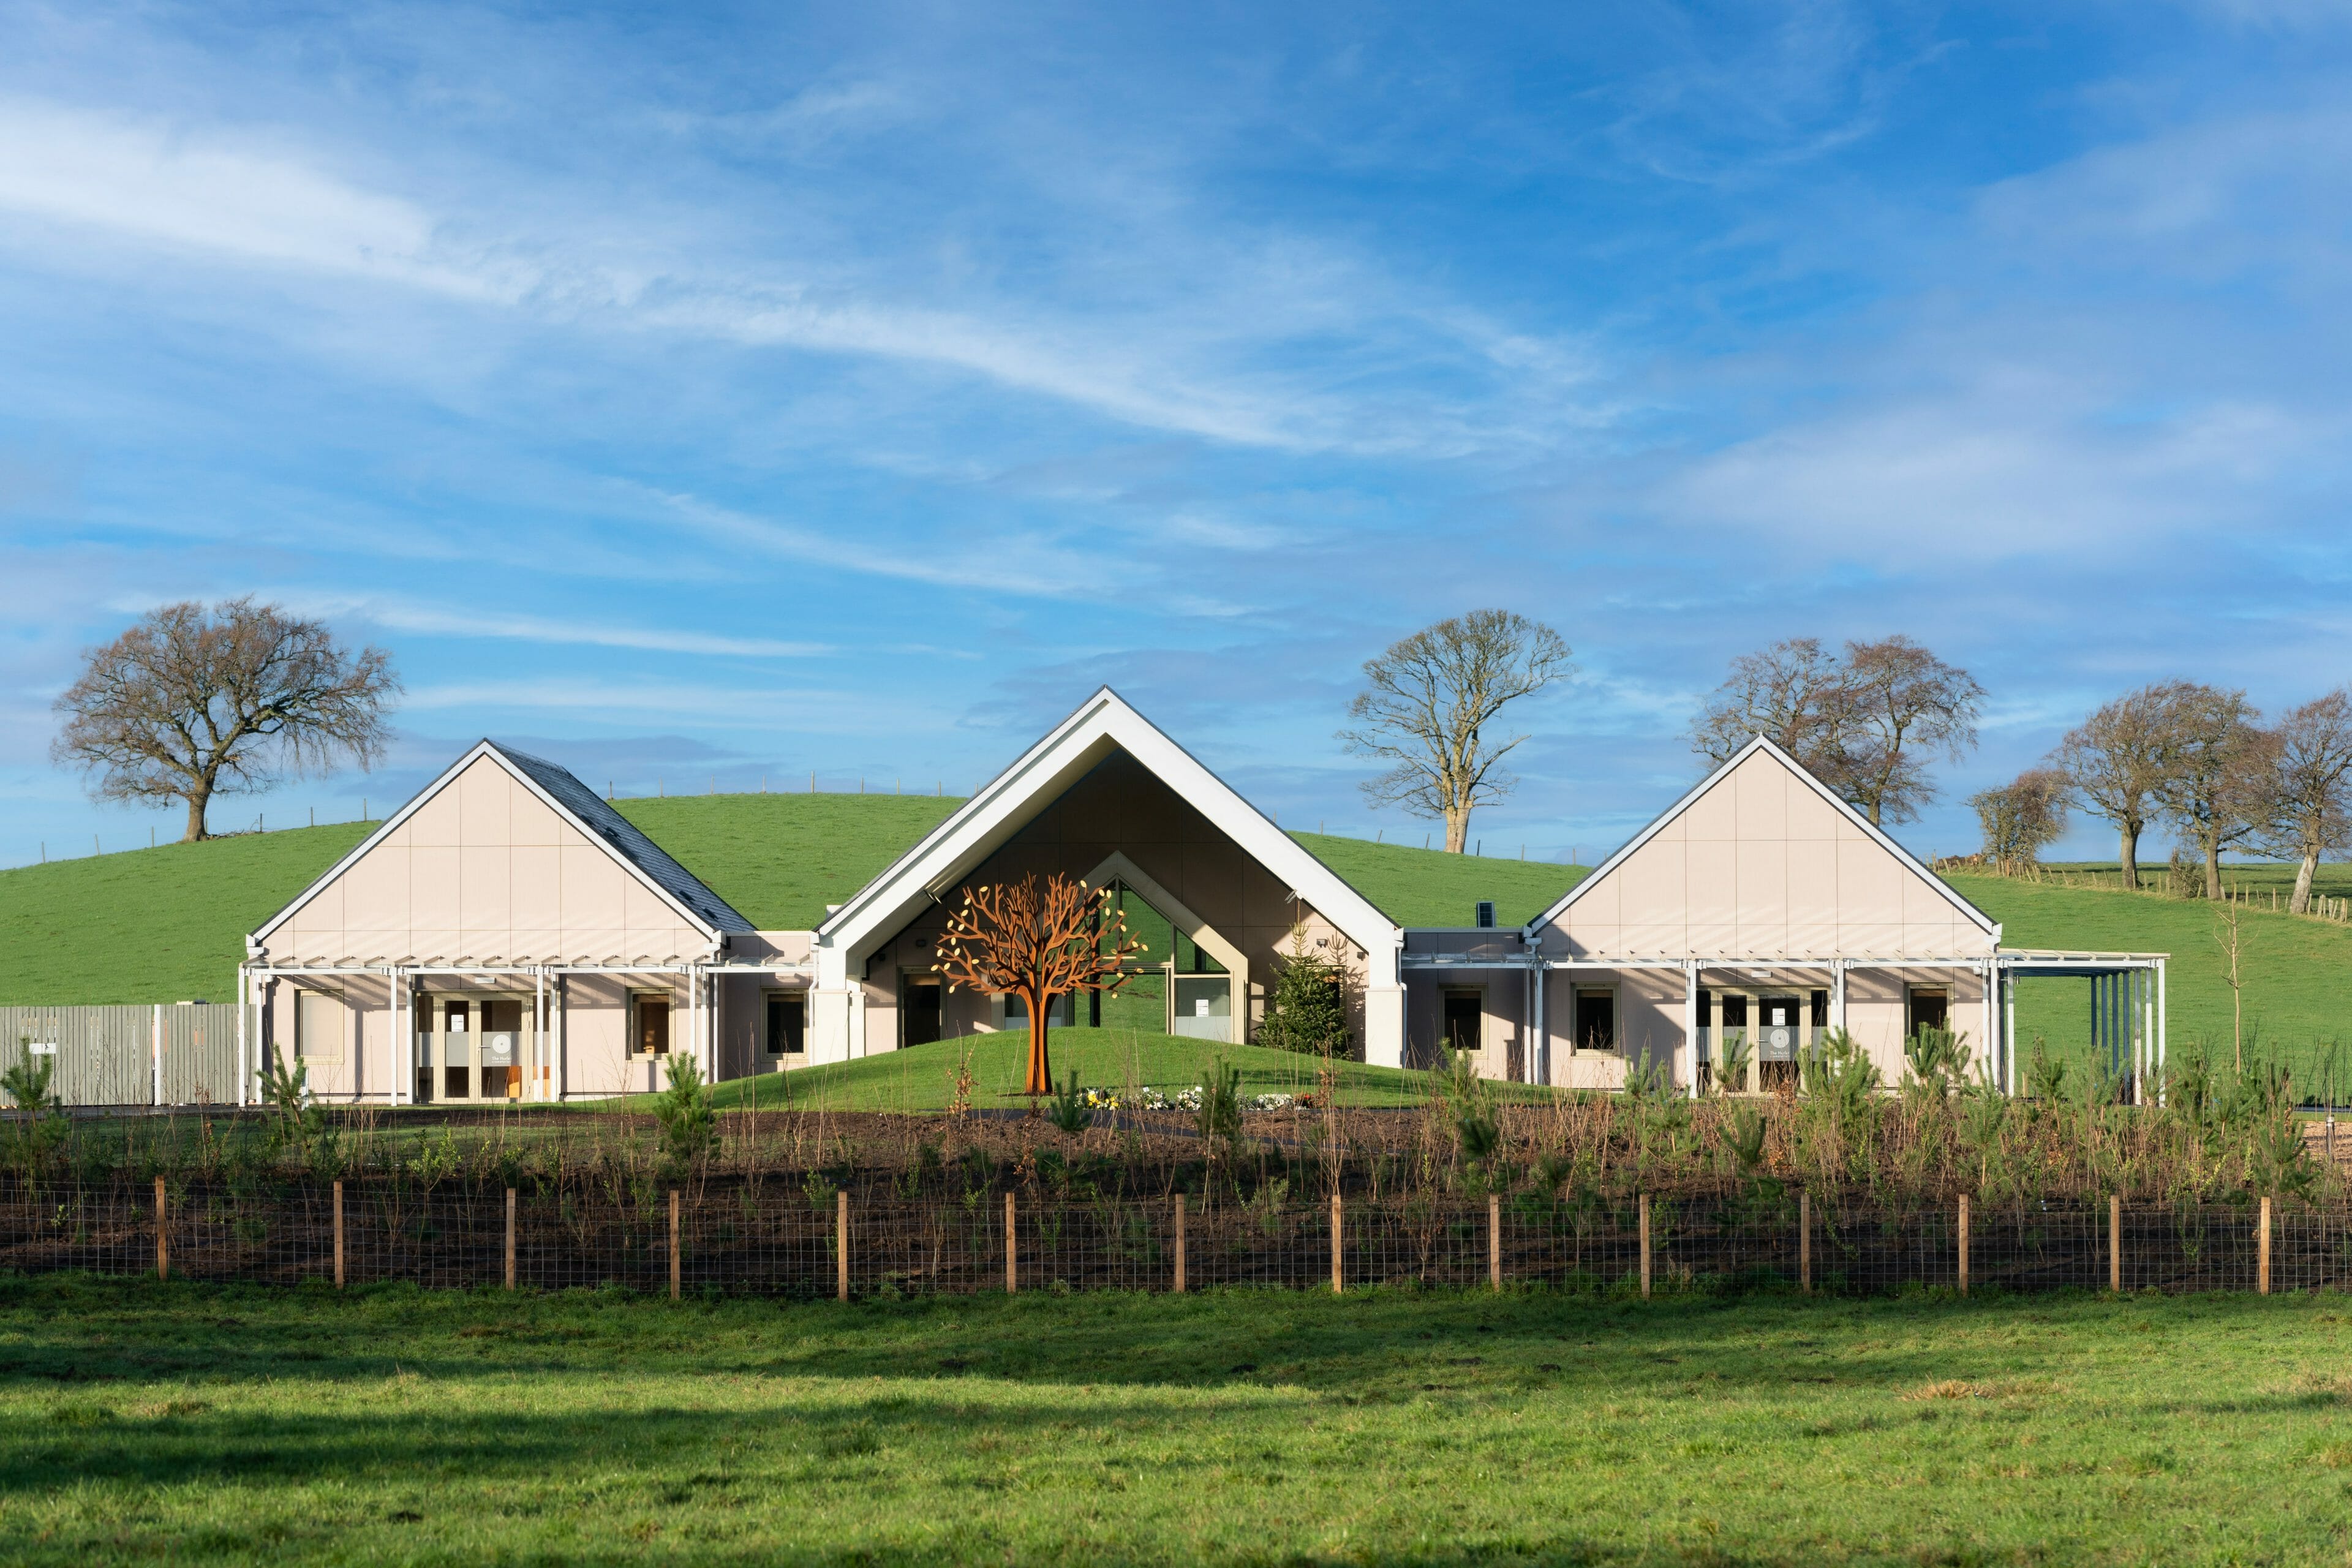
[304, 1050]
[769, 997]
[1616, 994]
[669, 999]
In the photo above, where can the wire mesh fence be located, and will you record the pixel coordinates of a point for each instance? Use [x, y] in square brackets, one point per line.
[780, 1241]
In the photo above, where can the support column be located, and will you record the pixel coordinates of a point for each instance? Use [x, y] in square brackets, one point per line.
[2162, 1018]
[243, 1008]
[1543, 1028]
[2008, 1032]
[1837, 994]
[1690, 1026]
[562, 1006]
[1985, 981]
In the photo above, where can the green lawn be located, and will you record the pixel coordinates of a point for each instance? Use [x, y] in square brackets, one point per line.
[140, 1422]
[923, 1078]
[2297, 974]
[781, 858]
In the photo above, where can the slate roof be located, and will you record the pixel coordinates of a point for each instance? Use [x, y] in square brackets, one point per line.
[626, 838]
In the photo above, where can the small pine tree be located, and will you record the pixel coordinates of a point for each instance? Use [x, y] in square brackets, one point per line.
[1308, 1009]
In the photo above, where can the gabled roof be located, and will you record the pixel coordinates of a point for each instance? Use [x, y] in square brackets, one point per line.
[1625, 851]
[596, 820]
[1105, 722]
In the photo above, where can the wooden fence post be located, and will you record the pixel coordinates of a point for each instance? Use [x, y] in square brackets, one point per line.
[511, 1229]
[338, 1236]
[1805, 1242]
[673, 1245]
[2263, 1253]
[1012, 1247]
[1495, 1240]
[1964, 1244]
[1645, 1247]
[1338, 1239]
[162, 1236]
[1180, 1244]
[841, 1246]
[2116, 1242]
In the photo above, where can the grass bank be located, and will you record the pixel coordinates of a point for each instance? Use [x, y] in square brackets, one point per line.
[140, 1421]
[923, 1078]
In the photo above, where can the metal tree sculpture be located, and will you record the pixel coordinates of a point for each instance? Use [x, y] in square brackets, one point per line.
[1040, 943]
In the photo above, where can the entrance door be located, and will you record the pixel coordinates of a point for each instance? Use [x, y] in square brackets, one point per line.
[918, 1009]
[1778, 1035]
[499, 1045]
[1463, 1026]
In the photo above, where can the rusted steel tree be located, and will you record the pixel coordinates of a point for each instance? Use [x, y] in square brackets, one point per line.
[1040, 943]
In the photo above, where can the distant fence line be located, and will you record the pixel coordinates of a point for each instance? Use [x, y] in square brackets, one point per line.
[181, 1053]
[794, 1242]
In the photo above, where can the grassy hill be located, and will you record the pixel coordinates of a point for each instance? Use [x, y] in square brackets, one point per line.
[1431, 887]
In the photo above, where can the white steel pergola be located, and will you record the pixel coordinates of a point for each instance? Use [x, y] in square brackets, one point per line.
[2128, 1019]
[549, 1004]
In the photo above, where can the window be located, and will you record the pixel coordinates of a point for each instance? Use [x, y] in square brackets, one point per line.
[1596, 1020]
[457, 1059]
[318, 1021]
[1930, 1009]
[1819, 1003]
[787, 1034]
[1016, 1012]
[649, 1028]
[1463, 1024]
[500, 1043]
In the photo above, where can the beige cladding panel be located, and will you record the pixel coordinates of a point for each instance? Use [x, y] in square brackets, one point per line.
[1761, 866]
[485, 868]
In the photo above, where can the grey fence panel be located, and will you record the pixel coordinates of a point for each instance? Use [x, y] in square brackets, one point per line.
[199, 1054]
[103, 1055]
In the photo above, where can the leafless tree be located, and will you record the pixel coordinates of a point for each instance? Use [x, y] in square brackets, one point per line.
[1791, 692]
[191, 703]
[2117, 758]
[2023, 817]
[2217, 778]
[1902, 703]
[1039, 941]
[2308, 814]
[1863, 722]
[1427, 705]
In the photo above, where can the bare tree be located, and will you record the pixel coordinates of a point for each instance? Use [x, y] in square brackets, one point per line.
[1427, 705]
[1791, 692]
[2117, 758]
[2023, 817]
[2216, 783]
[1902, 701]
[191, 703]
[2308, 813]
[1039, 943]
[1862, 722]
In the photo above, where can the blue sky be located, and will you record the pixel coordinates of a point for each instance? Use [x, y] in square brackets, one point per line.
[745, 393]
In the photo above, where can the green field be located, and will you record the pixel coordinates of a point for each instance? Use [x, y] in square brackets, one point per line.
[1430, 887]
[143, 1422]
[923, 1078]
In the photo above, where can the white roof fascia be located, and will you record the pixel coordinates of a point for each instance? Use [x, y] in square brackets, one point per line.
[1006, 803]
[479, 750]
[1983, 922]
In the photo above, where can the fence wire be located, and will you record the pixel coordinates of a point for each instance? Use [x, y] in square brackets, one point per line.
[780, 1241]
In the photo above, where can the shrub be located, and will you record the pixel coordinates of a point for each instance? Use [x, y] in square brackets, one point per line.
[689, 1123]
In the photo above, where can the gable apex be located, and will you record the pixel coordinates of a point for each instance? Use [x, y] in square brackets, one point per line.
[1803, 776]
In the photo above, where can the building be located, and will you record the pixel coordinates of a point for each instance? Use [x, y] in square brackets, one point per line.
[508, 936]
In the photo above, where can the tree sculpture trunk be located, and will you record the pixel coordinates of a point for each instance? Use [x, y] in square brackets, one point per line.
[1041, 1061]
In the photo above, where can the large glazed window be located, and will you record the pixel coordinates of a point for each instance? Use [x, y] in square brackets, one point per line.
[1596, 1020]
[787, 1030]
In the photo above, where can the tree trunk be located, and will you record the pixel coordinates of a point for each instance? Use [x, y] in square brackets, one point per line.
[197, 799]
[1457, 830]
[2213, 867]
[2130, 854]
[2300, 903]
[1041, 1063]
